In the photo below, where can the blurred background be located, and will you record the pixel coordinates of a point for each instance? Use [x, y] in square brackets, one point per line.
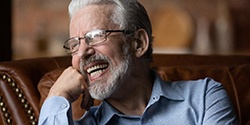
[38, 28]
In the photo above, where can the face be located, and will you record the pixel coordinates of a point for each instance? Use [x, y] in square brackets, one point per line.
[104, 66]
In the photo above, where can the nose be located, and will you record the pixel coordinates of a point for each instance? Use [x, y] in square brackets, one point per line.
[84, 50]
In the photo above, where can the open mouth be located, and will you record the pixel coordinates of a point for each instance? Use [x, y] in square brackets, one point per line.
[96, 70]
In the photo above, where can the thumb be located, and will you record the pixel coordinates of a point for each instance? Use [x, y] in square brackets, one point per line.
[87, 100]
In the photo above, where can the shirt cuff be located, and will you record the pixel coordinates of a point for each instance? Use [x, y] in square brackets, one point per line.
[53, 106]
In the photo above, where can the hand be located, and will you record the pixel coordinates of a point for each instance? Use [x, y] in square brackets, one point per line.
[71, 84]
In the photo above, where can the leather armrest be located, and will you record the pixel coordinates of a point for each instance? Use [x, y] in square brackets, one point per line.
[19, 97]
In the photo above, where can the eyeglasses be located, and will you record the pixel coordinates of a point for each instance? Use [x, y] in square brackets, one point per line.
[92, 38]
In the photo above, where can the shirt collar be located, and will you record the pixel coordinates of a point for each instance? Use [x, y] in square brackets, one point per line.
[105, 112]
[166, 89]
[160, 88]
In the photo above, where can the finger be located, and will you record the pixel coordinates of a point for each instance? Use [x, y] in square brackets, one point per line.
[70, 91]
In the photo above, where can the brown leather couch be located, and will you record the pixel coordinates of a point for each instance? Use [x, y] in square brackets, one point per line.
[25, 83]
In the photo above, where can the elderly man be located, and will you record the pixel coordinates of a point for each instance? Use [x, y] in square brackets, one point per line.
[111, 48]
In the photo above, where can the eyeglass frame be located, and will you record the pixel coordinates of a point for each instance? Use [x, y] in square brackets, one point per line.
[107, 33]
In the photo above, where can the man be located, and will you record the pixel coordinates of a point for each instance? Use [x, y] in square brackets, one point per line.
[111, 48]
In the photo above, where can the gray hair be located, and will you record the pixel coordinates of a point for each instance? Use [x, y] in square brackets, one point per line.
[127, 14]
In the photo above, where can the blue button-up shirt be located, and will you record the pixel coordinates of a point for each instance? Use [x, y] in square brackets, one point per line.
[199, 102]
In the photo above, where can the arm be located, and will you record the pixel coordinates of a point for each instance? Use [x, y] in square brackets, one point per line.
[68, 87]
[56, 111]
[218, 108]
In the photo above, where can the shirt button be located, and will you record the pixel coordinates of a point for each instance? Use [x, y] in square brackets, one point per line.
[154, 98]
[63, 106]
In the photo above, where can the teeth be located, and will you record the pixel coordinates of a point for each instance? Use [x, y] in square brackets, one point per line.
[96, 67]
[96, 73]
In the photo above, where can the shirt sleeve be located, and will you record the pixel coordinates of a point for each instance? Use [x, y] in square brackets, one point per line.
[218, 108]
[56, 111]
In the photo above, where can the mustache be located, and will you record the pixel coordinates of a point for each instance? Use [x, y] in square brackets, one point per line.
[96, 57]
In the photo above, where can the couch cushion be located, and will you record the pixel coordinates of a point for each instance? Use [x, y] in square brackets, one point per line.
[241, 77]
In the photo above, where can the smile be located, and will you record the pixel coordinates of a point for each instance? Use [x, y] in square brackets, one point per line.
[97, 70]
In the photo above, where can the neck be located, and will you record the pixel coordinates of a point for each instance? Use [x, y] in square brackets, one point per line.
[133, 96]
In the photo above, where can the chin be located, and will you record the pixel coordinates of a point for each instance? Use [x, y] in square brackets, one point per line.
[102, 89]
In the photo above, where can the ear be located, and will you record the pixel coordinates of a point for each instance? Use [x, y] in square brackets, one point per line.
[141, 42]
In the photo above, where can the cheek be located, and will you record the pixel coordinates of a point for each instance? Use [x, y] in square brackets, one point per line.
[75, 62]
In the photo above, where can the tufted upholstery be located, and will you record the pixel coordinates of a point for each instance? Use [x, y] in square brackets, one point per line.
[20, 98]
